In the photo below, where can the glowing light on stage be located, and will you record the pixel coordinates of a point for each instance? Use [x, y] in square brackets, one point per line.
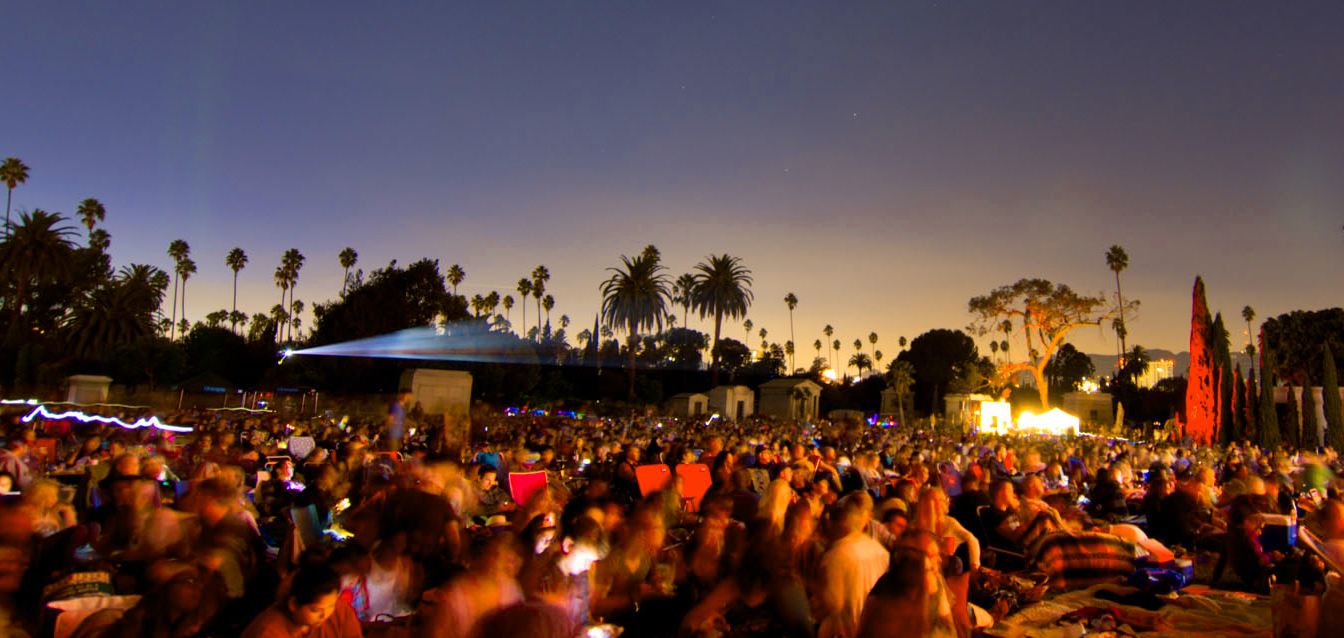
[995, 416]
[151, 422]
[18, 401]
[1055, 421]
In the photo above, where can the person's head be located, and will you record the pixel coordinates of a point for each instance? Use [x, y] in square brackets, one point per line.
[404, 397]
[284, 470]
[895, 521]
[1002, 494]
[852, 517]
[486, 477]
[43, 494]
[931, 509]
[313, 596]
[214, 499]
[17, 446]
[6, 482]
[1332, 520]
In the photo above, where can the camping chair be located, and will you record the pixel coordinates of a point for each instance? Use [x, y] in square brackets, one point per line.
[307, 525]
[653, 478]
[523, 485]
[695, 483]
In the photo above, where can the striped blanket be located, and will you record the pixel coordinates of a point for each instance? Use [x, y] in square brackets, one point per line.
[1074, 560]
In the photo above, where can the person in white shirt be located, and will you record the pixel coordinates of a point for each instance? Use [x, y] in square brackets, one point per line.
[849, 569]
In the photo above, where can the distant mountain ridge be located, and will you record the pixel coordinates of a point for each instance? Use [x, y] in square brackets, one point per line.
[1106, 363]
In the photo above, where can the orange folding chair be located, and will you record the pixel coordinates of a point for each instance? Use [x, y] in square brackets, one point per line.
[695, 483]
[653, 478]
[523, 485]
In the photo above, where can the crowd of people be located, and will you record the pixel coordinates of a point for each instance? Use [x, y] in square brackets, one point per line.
[259, 525]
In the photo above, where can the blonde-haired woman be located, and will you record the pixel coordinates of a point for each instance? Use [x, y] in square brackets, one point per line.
[931, 516]
[50, 515]
[774, 505]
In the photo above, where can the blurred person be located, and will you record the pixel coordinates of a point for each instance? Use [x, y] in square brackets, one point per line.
[911, 599]
[11, 462]
[489, 584]
[931, 515]
[312, 609]
[849, 569]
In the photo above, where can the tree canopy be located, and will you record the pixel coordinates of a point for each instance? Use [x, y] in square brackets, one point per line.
[1039, 315]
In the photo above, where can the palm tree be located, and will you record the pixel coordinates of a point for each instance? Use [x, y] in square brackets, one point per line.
[297, 306]
[791, 300]
[508, 305]
[683, 289]
[236, 259]
[835, 346]
[348, 258]
[119, 313]
[524, 289]
[829, 331]
[91, 211]
[99, 240]
[1117, 260]
[547, 303]
[872, 338]
[817, 344]
[178, 250]
[763, 332]
[635, 297]
[185, 270]
[491, 302]
[13, 172]
[877, 358]
[901, 376]
[860, 361]
[746, 327]
[37, 252]
[540, 275]
[1248, 313]
[292, 261]
[455, 276]
[903, 342]
[477, 304]
[994, 351]
[722, 288]
[278, 313]
[788, 349]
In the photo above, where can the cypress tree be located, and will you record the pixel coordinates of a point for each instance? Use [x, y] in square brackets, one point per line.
[1292, 421]
[1311, 433]
[1334, 414]
[1222, 361]
[1269, 420]
[1238, 405]
[1252, 408]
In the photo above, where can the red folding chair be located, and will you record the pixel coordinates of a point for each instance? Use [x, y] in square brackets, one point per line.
[695, 483]
[523, 485]
[653, 478]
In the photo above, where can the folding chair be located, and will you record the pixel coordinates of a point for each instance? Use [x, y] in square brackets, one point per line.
[653, 478]
[695, 483]
[306, 525]
[523, 485]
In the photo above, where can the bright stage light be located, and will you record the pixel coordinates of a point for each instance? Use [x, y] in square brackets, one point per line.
[1055, 421]
[995, 416]
[151, 422]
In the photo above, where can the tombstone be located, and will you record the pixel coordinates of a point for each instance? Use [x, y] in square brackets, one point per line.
[88, 388]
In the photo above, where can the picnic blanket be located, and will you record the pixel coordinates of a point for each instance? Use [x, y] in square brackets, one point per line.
[1208, 613]
[1081, 559]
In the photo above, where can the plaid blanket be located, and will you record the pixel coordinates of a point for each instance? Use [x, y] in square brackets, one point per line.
[1074, 560]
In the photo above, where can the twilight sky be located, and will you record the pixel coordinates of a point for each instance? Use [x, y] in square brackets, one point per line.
[884, 161]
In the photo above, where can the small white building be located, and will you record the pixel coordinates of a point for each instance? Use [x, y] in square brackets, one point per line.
[963, 410]
[790, 398]
[87, 388]
[439, 392]
[734, 402]
[688, 404]
[1093, 408]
